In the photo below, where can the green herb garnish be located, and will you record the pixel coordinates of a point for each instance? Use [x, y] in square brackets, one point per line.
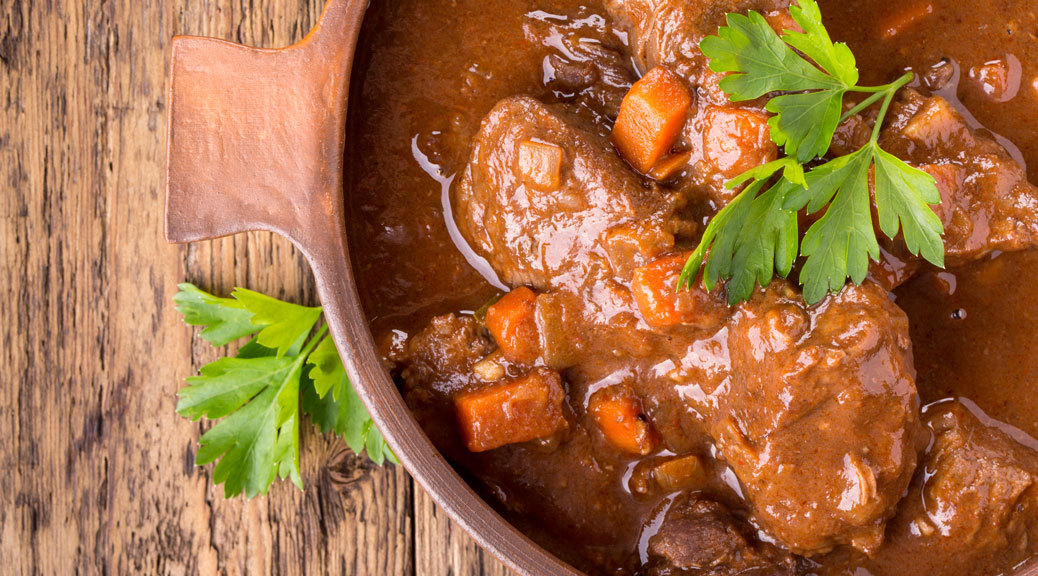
[756, 235]
[257, 392]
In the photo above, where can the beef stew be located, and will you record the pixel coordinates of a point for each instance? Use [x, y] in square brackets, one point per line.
[519, 276]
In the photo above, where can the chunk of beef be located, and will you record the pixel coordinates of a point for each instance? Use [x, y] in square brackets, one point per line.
[821, 419]
[980, 491]
[973, 501]
[434, 365]
[586, 63]
[986, 201]
[444, 352]
[601, 220]
[701, 536]
[779, 375]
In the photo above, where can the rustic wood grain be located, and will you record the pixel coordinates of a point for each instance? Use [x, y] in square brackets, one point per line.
[96, 470]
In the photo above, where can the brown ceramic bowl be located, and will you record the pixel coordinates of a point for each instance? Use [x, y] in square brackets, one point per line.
[255, 142]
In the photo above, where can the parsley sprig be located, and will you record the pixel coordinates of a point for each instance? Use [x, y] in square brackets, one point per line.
[756, 235]
[259, 393]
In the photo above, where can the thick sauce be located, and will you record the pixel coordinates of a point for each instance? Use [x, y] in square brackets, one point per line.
[430, 70]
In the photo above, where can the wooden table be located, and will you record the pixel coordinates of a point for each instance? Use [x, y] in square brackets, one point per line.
[96, 468]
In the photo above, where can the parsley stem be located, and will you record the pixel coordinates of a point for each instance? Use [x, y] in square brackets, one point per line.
[313, 343]
[863, 105]
[886, 104]
[878, 93]
[885, 93]
[895, 85]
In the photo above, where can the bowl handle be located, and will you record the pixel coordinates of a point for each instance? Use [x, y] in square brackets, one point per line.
[256, 136]
[256, 142]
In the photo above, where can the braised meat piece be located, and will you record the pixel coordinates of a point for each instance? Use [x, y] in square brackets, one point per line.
[980, 493]
[590, 218]
[821, 419]
[445, 352]
[814, 408]
[701, 536]
[973, 501]
[587, 63]
[987, 203]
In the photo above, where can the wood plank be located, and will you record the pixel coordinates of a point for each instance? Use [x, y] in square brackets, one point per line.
[442, 547]
[99, 476]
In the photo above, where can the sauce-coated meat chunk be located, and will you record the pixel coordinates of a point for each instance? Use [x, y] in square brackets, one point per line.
[701, 536]
[600, 219]
[668, 32]
[973, 501]
[821, 420]
[981, 492]
[987, 203]
[445, 352]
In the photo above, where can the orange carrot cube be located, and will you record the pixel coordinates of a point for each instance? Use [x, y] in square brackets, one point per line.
[661, 304]
[651, 117]
[519, 410]
[512, 321]
[737, 139]
[622, 421]
[670, 166]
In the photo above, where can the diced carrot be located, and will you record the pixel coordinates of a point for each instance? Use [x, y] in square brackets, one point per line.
[654, 288]
[622, 421]
[679, 473]
[540, 165]
[651, 117]
[670, 166]
[736, 140]
[904, 18]
[519, 410]
[512, 321]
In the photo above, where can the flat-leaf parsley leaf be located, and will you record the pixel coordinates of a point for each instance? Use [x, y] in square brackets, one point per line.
[258, 395]
[756, 235]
